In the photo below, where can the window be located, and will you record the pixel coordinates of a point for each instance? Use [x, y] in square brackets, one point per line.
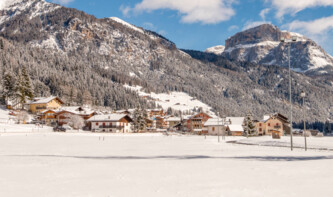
[260, 129]
[277, 124]
[126, 124]
[260, 124]
[213, 129]
[269, 124]
[96, 123]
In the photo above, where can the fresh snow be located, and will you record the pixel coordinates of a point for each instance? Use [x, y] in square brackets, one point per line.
[217, 50]
[318, 58]
[6, 3]
[7, 124]
[85, 164]
[313, 142]
[17, 7]
[271, 44]
[127, 24]
[176, 100]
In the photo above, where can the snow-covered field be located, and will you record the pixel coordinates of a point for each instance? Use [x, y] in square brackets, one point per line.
[61, 164]
[7, 124]
[176, 100]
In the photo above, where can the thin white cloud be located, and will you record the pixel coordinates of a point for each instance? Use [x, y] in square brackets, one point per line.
[251, 24]
[319, 30]
[125, 10]
[192, 11]
[284, 7]
[233, 27]
[162, 32]
[315, 27]
[63, 2]
[263, 13]
[148, 25]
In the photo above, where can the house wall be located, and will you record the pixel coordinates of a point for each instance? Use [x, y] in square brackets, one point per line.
[49, 117]
[173, 123]
[123, 126]
[197, 121]
[38, 108]
[215, 130]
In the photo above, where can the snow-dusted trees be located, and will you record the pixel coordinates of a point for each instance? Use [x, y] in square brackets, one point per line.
[249, 125]
[139, 120]
[22, 117]
[17, 88]
[9, 88]
[75, 121]
[24, 88]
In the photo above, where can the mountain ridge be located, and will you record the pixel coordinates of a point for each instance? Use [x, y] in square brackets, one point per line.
[66, 49]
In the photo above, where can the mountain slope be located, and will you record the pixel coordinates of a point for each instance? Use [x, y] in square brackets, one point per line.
[262, 45]
[68, 51]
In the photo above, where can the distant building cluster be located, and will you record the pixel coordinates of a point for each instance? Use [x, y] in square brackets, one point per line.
[51, 111]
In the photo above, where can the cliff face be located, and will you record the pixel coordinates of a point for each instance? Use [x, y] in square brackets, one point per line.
[261, 45]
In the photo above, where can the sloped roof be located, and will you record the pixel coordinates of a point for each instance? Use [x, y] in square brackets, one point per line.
[236, 120]
[236, 128]
[173, 119]
[46, 100]
[76, 110]
[214, 122]
[108, 117]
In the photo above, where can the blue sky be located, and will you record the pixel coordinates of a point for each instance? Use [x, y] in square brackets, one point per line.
[199, 24]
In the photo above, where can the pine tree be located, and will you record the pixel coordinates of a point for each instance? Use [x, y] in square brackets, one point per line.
[27, 84]
[250, 127]
[327, 127]
[8, 83]
[136, 120]
[1, 44]
[23, 87]
[20, 90]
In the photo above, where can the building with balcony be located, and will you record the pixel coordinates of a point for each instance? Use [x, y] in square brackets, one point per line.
[113, 123]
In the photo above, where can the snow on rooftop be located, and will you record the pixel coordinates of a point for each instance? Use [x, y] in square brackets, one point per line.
[173, 119]
[44, 100]
[127, 24]
[235, 120]
[107, 117]
[215, 122]
[236, 128]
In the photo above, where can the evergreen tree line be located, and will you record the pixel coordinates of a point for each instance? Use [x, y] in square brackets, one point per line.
[101, 64]
[17, 88]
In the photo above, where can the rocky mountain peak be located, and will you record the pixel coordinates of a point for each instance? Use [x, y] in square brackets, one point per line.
[262, 45]
[265, 32]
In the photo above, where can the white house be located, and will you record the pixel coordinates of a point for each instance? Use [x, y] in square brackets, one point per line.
[115, 123]
[235, 126]
[215, 126]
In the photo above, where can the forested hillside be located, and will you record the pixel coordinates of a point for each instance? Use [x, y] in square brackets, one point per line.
[76, 56]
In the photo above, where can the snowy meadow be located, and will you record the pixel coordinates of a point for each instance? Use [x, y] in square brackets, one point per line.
[85, 164]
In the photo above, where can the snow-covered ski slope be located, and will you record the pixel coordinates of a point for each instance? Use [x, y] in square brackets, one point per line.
[176, 100]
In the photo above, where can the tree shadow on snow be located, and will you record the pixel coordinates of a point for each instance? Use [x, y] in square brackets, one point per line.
[185, 157]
